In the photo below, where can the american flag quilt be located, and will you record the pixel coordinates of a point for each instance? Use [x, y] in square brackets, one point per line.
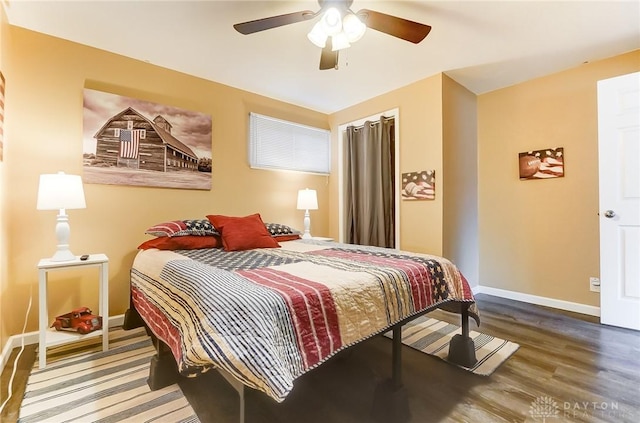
[266, 316]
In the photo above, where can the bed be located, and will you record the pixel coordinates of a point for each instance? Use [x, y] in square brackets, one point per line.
[265, 316]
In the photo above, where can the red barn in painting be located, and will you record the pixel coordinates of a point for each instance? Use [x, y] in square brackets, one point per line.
[131, 140]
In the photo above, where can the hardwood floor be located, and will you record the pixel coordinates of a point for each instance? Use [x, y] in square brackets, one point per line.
[23, 368]
[569, 368]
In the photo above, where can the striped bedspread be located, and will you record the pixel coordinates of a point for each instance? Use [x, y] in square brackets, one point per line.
[267, 316]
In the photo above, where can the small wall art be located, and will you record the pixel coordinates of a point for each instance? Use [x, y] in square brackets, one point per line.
[1, 115]
[541, 164]
[128, 141]
[419, 185]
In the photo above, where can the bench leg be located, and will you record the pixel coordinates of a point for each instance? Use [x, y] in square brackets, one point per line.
[163, 370]
[462, 350]
[390, 399]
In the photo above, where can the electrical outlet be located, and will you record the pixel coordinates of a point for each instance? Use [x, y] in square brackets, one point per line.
[594, 284]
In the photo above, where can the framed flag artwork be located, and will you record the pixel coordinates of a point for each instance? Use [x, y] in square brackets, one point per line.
[1, 116]
[419, 185]
[127, 141]
[541, 164]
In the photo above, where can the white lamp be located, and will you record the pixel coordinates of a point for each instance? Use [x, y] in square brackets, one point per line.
[317, 35]
[307, 200]
[60, 192]
[343, 30]
[353, 27]
[331, 21]
[339, 41]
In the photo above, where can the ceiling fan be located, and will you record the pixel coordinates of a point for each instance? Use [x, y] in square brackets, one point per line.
[339, 26]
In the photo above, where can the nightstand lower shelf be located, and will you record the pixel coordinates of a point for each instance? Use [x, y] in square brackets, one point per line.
[55, 338]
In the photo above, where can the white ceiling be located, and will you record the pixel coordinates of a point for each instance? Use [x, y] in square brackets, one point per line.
[484, 45]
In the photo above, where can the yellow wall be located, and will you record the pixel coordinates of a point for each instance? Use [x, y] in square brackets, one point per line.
[420, 108]
[46, 78]
[460, 187]
[4, 259]
[540, 237]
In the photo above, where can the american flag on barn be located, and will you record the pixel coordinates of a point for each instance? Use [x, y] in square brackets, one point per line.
[129, 143]
[131, 140]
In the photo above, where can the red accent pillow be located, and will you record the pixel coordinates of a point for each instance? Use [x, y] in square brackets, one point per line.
[188, 242]
[243, 233]
[283, 238]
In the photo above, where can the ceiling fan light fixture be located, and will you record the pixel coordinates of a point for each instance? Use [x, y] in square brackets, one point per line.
[353, 27]
[317, 35]
[339, 41]
[338, 21]
[332, 21]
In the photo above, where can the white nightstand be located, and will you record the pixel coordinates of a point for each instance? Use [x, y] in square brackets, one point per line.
[52, 337]
[322, 238]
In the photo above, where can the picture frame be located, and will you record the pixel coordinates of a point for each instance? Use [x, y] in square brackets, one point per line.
[128, 141]
[541, 164]
[420, 185]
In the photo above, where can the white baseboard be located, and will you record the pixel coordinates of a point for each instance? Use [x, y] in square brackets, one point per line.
[534, 299]
[29, 338]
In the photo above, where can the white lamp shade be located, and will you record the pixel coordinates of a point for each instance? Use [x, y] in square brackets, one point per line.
[332, 21]
[353, 27]
[307, 199]
[60, 191]
[339, 41]
[317, 35]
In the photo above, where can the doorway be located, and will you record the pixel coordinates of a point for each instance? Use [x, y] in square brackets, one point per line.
[342, 212]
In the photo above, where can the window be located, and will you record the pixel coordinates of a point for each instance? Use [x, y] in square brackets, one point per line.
[278, 144]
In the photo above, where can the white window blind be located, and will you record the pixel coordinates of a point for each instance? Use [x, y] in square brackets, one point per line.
[278, 144]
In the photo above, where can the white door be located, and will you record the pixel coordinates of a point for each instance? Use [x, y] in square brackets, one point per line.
[619, 152]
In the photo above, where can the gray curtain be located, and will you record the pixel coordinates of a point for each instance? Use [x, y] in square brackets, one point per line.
[370, 184]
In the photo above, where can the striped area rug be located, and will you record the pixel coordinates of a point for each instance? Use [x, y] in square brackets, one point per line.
[432, 336]
[81, 383]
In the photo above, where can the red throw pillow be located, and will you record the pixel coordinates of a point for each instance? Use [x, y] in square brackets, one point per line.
[188, 242]
[283, 238]
[243, 233]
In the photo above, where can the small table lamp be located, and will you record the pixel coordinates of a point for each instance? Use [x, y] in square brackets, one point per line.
[60, 192]
[307, 200]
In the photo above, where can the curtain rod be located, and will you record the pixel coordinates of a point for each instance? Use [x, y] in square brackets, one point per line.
[371, 122]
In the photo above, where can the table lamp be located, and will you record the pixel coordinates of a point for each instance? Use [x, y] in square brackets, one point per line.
[307, 200]
[61, 192]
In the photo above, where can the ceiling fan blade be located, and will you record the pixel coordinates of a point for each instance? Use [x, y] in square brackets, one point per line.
[328, 58]
[392, 25]
[273, 22]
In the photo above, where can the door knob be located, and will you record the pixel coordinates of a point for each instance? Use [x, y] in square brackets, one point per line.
[609, 214]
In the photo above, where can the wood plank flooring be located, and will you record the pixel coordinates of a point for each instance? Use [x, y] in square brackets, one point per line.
[569, 368]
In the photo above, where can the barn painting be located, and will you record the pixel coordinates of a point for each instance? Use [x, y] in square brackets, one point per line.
[128, 141]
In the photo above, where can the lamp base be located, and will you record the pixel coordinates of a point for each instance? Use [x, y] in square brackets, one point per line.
[63, 255]
[63, 230]
[307, 226]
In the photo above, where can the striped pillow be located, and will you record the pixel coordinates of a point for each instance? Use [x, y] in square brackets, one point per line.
[197, 227]
[278, 229]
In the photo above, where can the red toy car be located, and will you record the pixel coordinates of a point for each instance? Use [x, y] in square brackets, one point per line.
[80, 320]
